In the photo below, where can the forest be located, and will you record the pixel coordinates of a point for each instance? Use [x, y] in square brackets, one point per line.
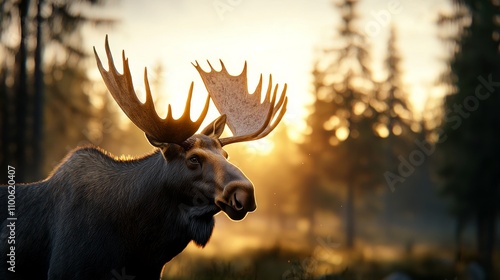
[368, 183]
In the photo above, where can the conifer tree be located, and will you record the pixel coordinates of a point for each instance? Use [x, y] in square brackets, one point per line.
[468, 143]
[42, 24]
[343, 142]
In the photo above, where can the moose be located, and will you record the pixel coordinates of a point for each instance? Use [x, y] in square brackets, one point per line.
[101, 217]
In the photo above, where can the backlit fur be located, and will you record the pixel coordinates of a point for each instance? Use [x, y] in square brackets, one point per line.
[97, 216]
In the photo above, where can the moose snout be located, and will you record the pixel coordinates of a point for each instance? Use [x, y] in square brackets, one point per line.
[242, 199]
[237, 199]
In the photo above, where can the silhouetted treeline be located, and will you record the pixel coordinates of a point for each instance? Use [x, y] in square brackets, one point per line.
[469, 164]
[27, 30]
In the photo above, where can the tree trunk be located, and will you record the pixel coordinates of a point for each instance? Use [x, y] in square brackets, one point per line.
[22, 94]
[4, 122]
[38, 115]
[309, 196]
[459, 228]
[486, 224]
[349, 215]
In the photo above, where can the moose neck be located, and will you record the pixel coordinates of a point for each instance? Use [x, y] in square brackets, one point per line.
[148, 198]
[167, 204]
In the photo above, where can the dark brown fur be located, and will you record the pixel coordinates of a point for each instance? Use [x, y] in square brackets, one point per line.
[97, 217]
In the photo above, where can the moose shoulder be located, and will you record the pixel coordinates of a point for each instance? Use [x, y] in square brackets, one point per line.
[99, 217]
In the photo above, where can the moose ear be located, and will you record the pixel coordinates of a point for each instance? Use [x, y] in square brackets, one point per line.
[169, 150]
[155, 142]
[215, 128]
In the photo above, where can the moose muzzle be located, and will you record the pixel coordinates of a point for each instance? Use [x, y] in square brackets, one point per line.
[237, 197]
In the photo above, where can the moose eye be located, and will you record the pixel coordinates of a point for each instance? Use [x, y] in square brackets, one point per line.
[194, 160]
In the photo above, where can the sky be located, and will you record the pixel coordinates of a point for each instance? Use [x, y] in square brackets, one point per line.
[278, 37]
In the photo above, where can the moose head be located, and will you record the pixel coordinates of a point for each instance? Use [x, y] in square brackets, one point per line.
[202, 154]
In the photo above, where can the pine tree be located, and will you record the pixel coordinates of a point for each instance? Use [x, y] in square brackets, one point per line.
[395, 118]
[43, 24]
[343, 141]
[468, 144]
[397, 108]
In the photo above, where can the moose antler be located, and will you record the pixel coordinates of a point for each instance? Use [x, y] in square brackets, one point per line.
[143, 115]
[247, 117]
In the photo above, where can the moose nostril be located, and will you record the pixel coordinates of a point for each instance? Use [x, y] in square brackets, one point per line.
[239, 198]
[236, 203]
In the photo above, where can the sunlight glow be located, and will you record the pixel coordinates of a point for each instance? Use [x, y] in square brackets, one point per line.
[397, 130]
[262, 146]
[359, 108]
[334, 141]
[382, 130]
[332, 123]
[342, 133]
[281, 44]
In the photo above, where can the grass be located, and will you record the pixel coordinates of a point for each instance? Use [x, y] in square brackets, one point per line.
[279, 263]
